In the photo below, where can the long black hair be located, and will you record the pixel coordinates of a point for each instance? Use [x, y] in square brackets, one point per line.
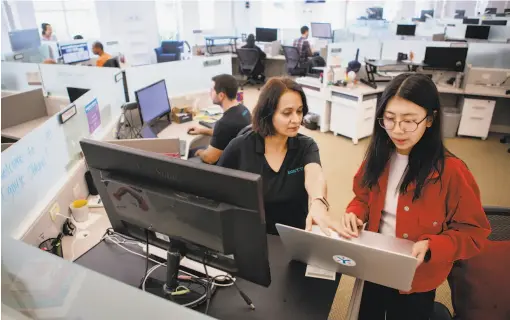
[428, 155]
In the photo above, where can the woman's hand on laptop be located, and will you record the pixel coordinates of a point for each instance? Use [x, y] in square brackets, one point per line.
[350, 225]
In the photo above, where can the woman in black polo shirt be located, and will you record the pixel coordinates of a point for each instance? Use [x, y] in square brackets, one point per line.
[289, 162]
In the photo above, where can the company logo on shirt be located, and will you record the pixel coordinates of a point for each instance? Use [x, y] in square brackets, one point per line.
[345, 261]
[245, 112]
[295, 170]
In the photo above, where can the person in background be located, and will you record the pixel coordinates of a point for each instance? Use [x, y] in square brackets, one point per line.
[97, 49]
[258, 71]
[47, 32]
[308, 58]
[410, 186]
[289, 162]
[235, 117]
[78, 37]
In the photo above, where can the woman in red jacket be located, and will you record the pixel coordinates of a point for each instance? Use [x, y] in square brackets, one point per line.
[409, 186]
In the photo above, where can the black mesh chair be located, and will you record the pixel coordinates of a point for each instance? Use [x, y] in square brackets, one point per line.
[112, 63]
[499, 219]
[295, 65]
[506, 139]
[248, 60]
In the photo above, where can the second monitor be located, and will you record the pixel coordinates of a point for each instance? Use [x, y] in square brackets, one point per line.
[477, 32]
[406, 29]
[266, 34]
[153, 101]
[445, 58]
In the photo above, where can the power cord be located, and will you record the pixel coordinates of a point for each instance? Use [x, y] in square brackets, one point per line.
[209, 283]
[146, 257]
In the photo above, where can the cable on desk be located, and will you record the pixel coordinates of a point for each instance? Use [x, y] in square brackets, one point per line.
[146, 257]
[208, 296]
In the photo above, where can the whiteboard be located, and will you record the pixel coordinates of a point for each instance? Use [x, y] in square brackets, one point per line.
[182, 77]
[30, 168]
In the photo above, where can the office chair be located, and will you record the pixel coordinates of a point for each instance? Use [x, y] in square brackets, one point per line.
[169, 51]
[506, 139]
[480, 286]
[112, 63]
[248, 60]
[295, 66]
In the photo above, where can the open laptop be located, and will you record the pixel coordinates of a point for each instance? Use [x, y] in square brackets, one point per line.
[372, 256]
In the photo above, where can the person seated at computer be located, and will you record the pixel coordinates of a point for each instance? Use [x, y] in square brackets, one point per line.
[258, 71]
[97, 49]
[235, 117]
[47, 33]
[411, 187]
[289, 162]
[306, 54]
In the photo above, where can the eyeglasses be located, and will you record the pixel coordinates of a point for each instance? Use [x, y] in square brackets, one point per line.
[404, 125]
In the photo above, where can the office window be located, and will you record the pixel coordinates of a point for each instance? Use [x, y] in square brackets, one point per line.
[69, 18]
[169, 15]
[206, 13]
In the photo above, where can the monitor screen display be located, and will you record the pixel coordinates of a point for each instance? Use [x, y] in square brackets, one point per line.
[321, 30]
[491, 10]
[477, 32]
[470, 21]
[459, 14]
[24, 39]
[266, 34]
[507, 10]
[76, 52]
[406, 29]
[425, 13]
[446, 58]
[494, 22]
[153, 101]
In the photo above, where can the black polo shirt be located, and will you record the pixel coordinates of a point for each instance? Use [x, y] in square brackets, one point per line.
[227, 128]
[285, 196]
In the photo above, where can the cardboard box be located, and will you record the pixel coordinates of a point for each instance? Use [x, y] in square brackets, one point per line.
[182, 115]
[169, 147]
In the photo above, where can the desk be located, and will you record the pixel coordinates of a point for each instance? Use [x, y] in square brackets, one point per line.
[372, 65]
[19, 131]
[291, 295]
[209, 43]
[180, 130]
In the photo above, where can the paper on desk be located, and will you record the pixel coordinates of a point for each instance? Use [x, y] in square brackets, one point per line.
[315, 272]
[214, 110]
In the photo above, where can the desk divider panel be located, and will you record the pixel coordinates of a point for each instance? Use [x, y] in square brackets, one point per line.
[19, 76]
[346, 51]
[23, 107]
[489, 55]
[181, 77]
[391, 49]
[36, 167]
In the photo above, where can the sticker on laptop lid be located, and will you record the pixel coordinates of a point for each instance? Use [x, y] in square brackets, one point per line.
[345, 261]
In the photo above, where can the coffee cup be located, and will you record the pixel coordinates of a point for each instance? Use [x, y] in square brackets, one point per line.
[80, 210]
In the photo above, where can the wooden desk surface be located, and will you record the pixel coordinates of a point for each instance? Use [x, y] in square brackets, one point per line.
[21, 130]
[360, 89]
[481, 90]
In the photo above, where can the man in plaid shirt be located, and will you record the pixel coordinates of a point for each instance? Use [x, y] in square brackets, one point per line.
[302, 44]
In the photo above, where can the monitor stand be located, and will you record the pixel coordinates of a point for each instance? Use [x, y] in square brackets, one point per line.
[168, 286]
[161, 124]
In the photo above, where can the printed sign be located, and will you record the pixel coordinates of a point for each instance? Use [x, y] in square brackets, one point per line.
[345, 261]
[93, 115]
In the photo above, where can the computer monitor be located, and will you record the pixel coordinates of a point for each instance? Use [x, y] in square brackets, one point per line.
[491, 10]
[153, 101]
[459, 14]
[266, 34]
[24, 39]
[210, 214]
[470, 21]
[425, 13]
[445, 58]
[507, 10]
[406, 29]
[494, 22]
[375, 13]
[477, 32]
[321, 30]
[75, 52]
[75, 93]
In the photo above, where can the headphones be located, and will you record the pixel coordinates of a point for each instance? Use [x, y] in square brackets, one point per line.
[68, 229]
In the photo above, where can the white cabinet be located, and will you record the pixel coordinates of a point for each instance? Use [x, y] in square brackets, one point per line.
[318, 103]
[353, 116]
[476, 117]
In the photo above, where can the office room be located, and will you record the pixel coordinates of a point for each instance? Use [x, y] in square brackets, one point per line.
[279, 159]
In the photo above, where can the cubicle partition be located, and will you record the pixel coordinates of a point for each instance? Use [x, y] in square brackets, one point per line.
[20, 76]
[36, 167]
[489, 55]
[182, 78]
[390, 49]
[342, 53]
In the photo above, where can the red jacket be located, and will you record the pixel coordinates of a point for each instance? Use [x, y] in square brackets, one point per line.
[449, 213]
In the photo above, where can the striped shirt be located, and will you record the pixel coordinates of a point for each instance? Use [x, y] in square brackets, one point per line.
[303, 47]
